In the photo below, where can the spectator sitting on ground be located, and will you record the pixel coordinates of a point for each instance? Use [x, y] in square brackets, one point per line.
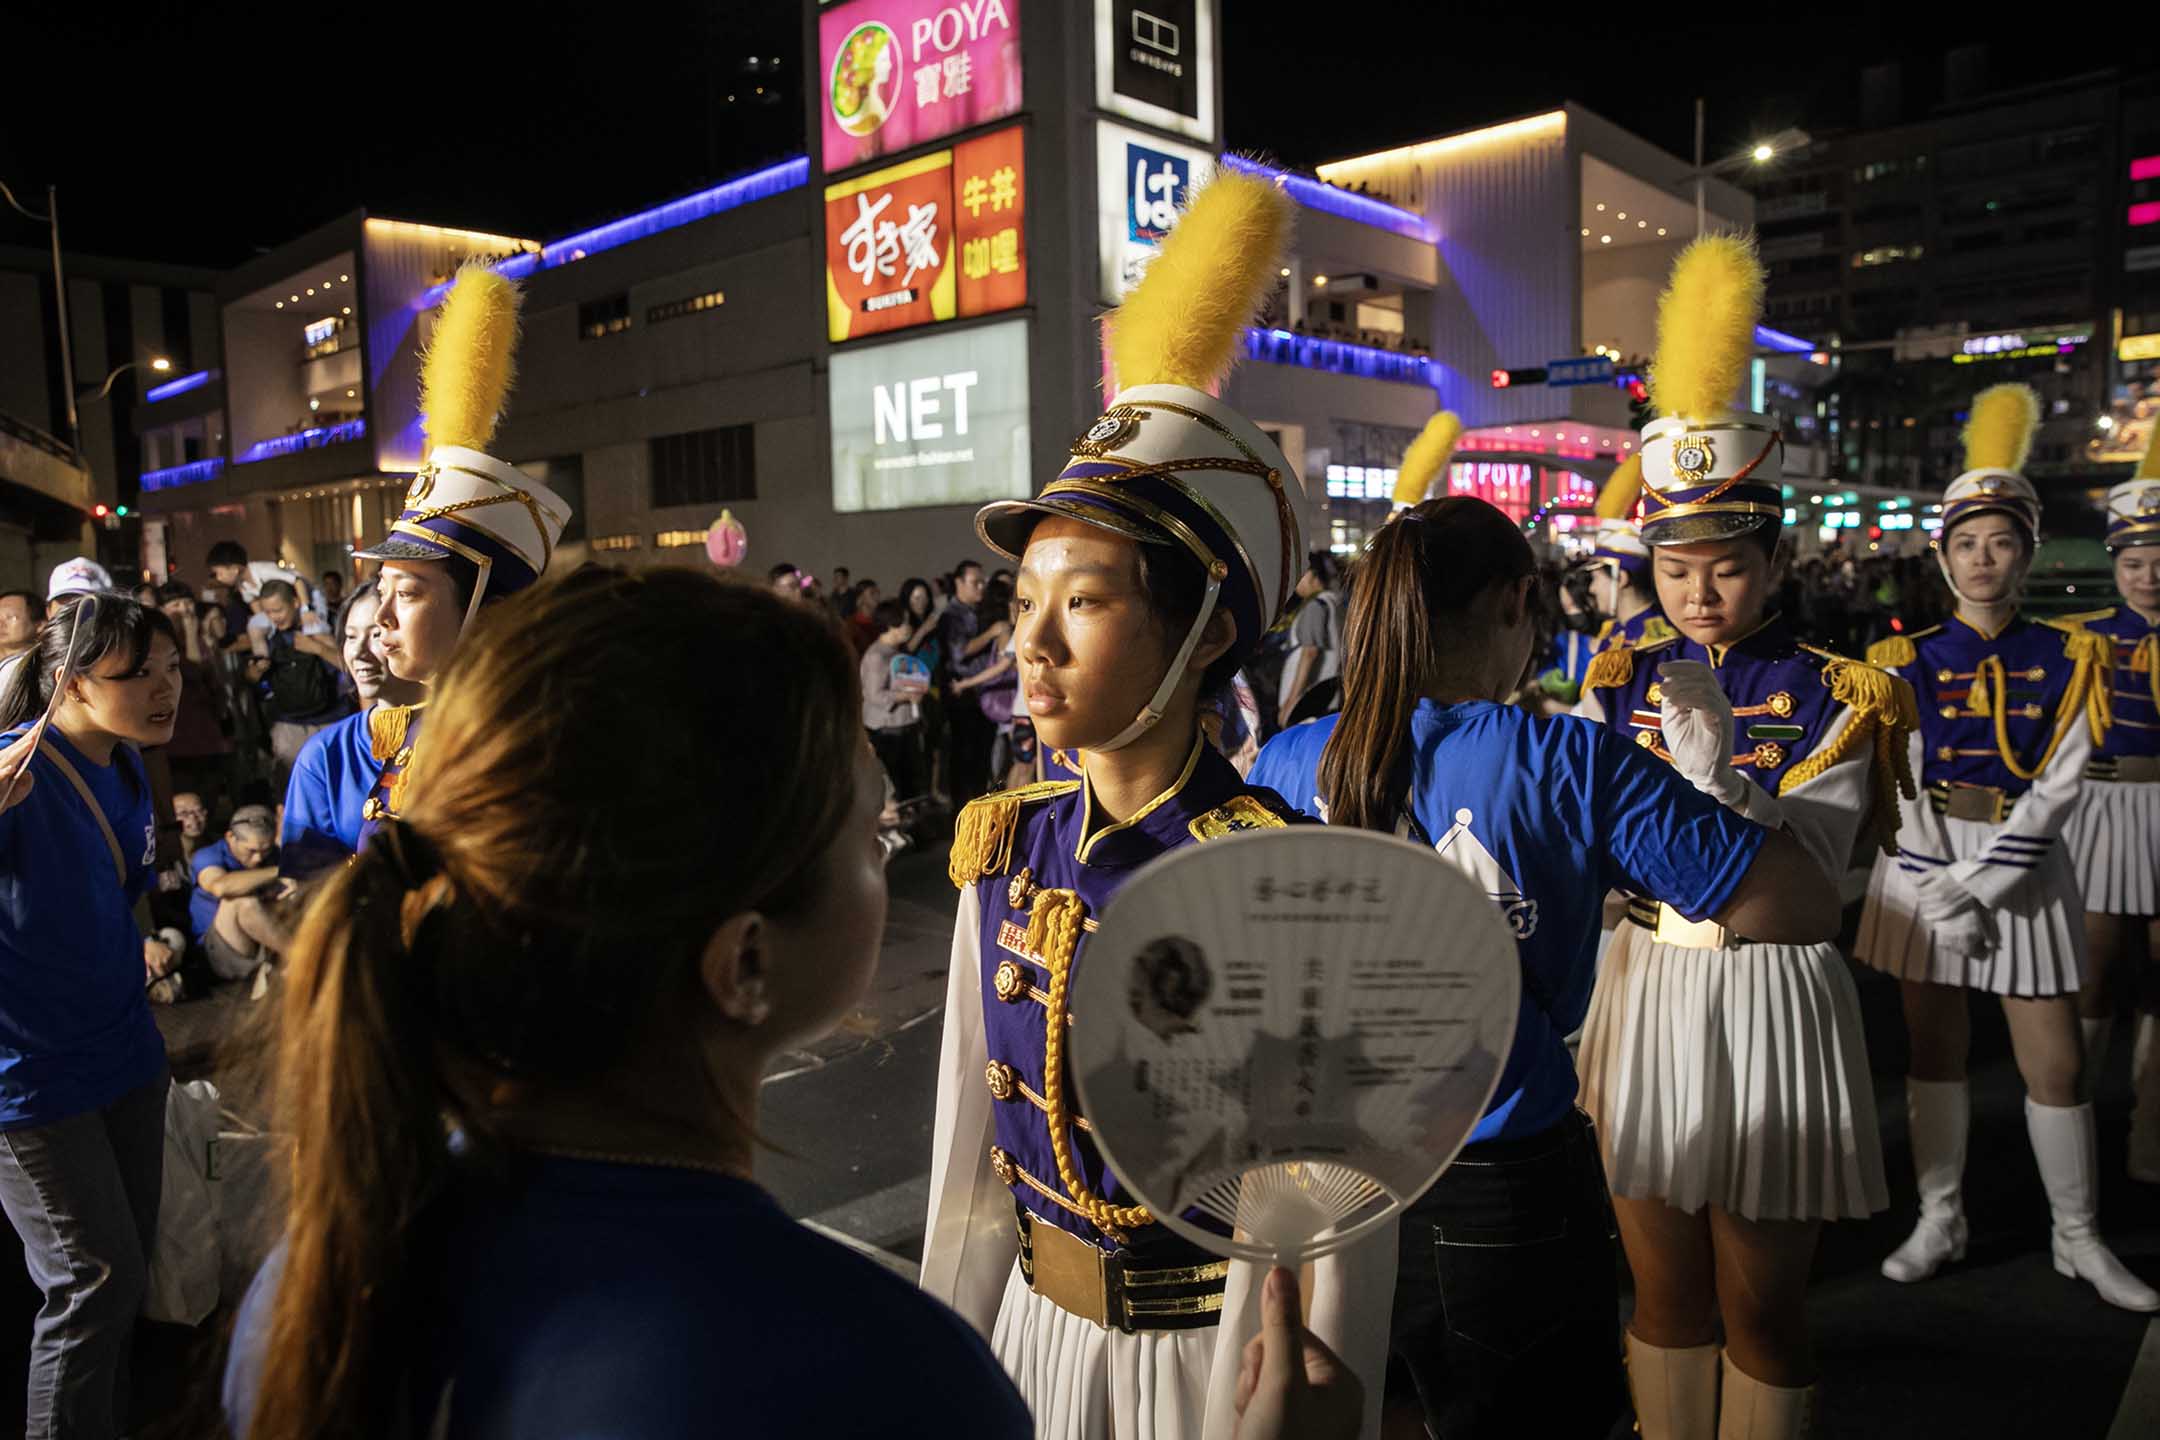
[176, 882]
[236, 883]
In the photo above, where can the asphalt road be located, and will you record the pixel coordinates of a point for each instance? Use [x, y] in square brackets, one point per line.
[1997, 1346]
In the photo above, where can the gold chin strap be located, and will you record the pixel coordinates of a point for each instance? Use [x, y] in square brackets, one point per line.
[1159, 702]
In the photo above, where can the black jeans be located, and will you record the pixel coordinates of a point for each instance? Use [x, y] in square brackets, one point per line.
[1507, 1301]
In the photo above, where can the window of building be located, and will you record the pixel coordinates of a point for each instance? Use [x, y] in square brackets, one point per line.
[1886, 255]
[705, 466]
[607, 316]
[694, 305]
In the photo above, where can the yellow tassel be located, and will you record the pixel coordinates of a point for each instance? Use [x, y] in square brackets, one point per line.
[2094, 657]
[386, 730]
[1706, 326]
[1213, 272]
[1999, 429]
[470, 361]
[1885, 714]
[1427, 458]
[1610, 668]
[1978, 697]
[1617, 500]
[1892, 653]
[1053, 935]
[2149, 462]
[982, 839]
[2145, 660]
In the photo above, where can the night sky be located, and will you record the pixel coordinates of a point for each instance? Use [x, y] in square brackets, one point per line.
[202, 134]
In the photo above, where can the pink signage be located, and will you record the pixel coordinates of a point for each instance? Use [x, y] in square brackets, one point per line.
[900, 73]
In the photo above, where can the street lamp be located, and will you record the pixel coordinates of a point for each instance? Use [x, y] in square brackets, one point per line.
[160, 364]
[1760, 153]
[51, 219]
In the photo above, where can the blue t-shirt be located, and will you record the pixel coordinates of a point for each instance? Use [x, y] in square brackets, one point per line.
[202, 905]
[1548, 813]
[76, 1032]
[331, 780]
[624, 1300]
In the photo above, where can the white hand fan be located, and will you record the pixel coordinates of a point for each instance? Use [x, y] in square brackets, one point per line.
[1291, 1032]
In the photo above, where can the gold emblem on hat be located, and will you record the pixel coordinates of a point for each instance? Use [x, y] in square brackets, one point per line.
[1110, 433]
[423, 485]
[1693, 457]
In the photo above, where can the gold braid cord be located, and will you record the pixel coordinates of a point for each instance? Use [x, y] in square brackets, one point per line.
[2092, 670]
[1053, 934]
[1884, 715]
[1893, 652]
[1610, 668]
[2145, 660]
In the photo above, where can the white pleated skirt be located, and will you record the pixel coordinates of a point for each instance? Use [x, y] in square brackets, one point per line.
[1736, 1078]
[2039, 935]
[1083, 1382]
[2114, 840]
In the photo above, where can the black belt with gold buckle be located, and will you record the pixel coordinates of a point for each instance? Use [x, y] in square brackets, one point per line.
[2125, 769]
[1106, 1288]
[1988, 804]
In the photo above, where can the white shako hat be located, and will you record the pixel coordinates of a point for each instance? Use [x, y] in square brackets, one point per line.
[465, 506]
[1170, 464]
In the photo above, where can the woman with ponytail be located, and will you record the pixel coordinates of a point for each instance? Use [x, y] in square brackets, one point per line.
[521, 1040]
[1506, 1278]
[82, 1068]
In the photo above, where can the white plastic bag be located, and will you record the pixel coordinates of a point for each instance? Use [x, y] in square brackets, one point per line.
[184, 1267]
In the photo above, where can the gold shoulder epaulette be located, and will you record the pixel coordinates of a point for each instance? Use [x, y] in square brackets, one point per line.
[983, 831]
[387, 725]
[1610, 668]
[1604, 631]
[2092, 656]
[1234, 816]
[1893, 652]
[2083, 618]
[1657, 630]
[1884, 716]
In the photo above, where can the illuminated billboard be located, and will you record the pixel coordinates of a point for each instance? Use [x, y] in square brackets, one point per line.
[941, 419]
[1155, 63]
[899, 73]
[1140, 181]
[939, 237]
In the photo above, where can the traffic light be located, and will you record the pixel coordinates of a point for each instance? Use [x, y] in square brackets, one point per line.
[101, 512]
[121, 512]
[1503, 379]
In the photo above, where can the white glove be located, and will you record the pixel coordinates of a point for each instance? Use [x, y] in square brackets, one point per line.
[1697, 722]
[1957, 919]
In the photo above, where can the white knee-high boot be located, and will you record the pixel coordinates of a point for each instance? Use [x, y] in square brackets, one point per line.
[2145, 1101]
[1676, 1391]
[2063, 1144]
[1940, 1112]
[1751, 1410]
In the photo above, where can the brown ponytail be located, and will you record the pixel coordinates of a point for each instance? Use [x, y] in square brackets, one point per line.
[1420, 578]
[609, 767]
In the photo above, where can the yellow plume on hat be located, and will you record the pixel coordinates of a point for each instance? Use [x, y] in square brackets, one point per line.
[1706, 326]
[1215, 269]
[2149, 463]
[470, 363]
[1427, 456]
[1617, 500]
[1999, 431]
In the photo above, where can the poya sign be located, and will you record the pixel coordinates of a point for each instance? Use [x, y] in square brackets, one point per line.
[897, 73]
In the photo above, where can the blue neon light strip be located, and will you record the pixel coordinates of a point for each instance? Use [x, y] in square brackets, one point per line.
[1769, 339]
[193, 473]
[312, 438]
[790, 174]
[1329, 200]
[1341, 357]
[180, 386]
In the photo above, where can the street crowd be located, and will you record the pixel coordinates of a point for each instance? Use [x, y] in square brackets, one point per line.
[529, 902]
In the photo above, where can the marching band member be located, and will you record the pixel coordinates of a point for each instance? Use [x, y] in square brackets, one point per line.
[1728, 1077]
[1507, 1279]
[475, 528]
[1622, 590]
[1148, 569]
[1984, 896]
[2114, 838]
